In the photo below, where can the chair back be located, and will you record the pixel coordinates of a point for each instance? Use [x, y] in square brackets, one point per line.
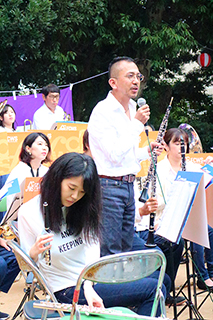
[27, 264]
[14, 228]
[126, 267]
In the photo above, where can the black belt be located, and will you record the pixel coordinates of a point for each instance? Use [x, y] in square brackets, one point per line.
[128, 178]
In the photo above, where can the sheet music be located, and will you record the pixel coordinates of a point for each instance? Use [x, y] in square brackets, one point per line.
[176, 210]
[11, 189]
[209, 194]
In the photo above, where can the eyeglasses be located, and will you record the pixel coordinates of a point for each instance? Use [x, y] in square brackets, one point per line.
[54, 96]
[137, 76]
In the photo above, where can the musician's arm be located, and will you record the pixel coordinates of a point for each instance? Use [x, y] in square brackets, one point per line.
[149, 206]
[92, 297]
[3, 243]
[158, 148]
[30, 229]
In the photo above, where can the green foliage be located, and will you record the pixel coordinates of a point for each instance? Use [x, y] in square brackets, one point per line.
[64, 41]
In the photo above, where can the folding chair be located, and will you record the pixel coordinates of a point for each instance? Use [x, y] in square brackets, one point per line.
[26, 264]
[125, 267]
[14, 228]
[30, 281]
[117, 268]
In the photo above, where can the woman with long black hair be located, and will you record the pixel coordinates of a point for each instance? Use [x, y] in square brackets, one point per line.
[71, 189]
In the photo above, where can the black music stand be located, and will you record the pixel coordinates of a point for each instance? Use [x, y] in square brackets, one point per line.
[192, 306]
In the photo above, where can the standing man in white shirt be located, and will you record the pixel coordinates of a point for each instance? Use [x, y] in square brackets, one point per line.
[50, 112]
[114, 128]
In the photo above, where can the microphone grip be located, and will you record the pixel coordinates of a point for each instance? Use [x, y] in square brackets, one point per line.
[141, 102]
[146, 129]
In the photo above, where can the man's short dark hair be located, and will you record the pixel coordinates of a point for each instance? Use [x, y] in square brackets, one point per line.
[118, 59]
[50, 88]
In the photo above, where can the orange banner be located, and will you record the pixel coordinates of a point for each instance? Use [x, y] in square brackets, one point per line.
[61, 142]
[15, 140]
[31, 188]
[71, 126]
[4, 154]
[71, 140]
[143, 143]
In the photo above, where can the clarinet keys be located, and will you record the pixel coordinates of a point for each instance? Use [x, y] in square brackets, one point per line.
[47, 253]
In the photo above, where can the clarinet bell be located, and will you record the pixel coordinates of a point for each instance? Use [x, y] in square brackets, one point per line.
[144, 195]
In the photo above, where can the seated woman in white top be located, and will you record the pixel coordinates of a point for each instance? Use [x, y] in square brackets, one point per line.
[35, 151]
[71, 188]
[7, 118]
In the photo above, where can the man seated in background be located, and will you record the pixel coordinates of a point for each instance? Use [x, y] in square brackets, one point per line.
[45, 117]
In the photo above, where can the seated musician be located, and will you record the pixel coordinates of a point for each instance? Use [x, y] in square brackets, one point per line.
[50, 112]
[35, 151]
[7, 119]
[71, 187]
[167, 171]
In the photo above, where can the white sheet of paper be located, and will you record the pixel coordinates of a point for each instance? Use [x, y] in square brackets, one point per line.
[196, 228]
[209, 204]
[175, 211]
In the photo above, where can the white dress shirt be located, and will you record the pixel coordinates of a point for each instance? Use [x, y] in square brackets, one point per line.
[114, 138]
[5, 129]
[44, 118]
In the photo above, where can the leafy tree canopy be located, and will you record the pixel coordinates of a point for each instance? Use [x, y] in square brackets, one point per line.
[64, 41]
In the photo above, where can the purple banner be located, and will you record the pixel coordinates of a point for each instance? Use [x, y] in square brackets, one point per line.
[25, 106]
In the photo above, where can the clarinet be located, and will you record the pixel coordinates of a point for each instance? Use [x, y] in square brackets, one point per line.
[47, 253]
[150, 240]
[182, 150]
[152, 177]
[151, 170]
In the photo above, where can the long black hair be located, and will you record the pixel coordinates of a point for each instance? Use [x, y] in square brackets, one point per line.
[84, 215]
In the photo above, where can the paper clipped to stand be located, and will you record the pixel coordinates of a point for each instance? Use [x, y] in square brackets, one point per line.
[185, 212]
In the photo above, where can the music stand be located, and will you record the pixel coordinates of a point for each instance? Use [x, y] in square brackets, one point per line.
[178, 219]
[192, 306]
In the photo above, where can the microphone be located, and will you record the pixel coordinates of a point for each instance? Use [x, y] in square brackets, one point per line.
[141, 102]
